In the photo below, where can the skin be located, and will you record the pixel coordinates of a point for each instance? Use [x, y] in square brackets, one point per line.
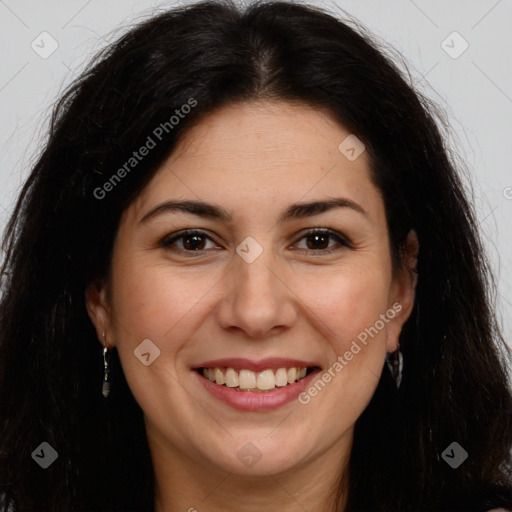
[295, 300]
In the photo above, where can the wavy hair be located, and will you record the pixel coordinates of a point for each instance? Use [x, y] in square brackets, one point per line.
[455, 384]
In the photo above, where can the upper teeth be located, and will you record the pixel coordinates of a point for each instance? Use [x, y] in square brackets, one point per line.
[247, 379]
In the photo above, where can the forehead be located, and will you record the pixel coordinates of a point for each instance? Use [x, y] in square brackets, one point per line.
[264, 136]
[262, 153]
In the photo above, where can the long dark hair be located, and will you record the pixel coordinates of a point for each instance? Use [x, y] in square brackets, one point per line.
[455, 386]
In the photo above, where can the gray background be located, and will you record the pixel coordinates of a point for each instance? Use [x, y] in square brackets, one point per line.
[475, 88]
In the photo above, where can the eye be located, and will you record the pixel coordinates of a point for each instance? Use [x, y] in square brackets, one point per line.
[318, 240]
[194, 241]
[188, 241]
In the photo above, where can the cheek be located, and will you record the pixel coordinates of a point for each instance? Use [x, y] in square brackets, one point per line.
[159, 303]
[166, 306]
[348, 310]
[347, 302]
[347, 307]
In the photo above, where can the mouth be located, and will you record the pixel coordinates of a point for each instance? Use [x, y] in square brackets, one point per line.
[261, 386]
[256, 386]
[263, 381]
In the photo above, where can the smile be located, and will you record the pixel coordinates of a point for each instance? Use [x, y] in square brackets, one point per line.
[246, 380]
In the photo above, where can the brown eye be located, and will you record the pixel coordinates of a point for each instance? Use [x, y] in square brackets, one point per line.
[318, 241]
[188, 241]
[193, 242]
[323, 241]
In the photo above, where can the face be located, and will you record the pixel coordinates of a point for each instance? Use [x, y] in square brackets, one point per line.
[258, 247]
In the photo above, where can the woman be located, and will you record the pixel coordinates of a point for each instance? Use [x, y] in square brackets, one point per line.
[237, 220]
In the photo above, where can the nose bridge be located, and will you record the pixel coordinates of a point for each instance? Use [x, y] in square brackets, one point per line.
[256, 300]
[256, 285]
[256, 280]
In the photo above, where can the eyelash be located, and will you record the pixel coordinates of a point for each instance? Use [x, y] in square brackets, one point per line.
[169, 241]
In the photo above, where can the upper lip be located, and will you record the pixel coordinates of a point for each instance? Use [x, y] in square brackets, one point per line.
[239, 363]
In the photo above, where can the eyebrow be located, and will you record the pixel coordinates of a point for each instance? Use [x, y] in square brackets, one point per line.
[215, 212]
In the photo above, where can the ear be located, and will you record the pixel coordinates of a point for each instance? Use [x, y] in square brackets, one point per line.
[96, 302]
[403, 289]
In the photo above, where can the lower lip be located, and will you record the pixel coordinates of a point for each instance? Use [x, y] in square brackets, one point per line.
[250, 401]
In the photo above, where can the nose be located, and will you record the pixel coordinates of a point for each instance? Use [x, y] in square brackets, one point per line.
[257, 300]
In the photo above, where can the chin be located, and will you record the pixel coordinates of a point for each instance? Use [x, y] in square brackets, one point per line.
[258, 455]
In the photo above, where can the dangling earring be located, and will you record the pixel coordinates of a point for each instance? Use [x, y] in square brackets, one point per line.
[105, 389]
[395, 362]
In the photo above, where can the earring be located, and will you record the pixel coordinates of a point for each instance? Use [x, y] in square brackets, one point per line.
[105, 389]
[395, 362]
